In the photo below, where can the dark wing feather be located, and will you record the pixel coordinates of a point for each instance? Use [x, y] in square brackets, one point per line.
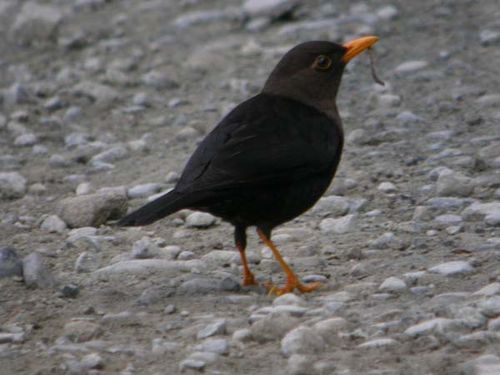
[266, 140]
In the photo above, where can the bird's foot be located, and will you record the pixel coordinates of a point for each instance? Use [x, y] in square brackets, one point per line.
[290, 286]
[249, 279]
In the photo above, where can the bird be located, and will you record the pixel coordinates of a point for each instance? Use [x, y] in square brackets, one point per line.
[272, 157]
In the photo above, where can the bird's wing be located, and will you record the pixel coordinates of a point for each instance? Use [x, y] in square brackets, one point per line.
[266, 140]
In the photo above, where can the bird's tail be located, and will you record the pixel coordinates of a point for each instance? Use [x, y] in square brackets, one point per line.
[159, 208]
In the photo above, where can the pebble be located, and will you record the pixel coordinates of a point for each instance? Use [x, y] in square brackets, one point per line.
[192, 364]
[200, 220]
[490, 307]
[59, 161]
[214, 345]
[53, 224]
[81, 331]
[26, 140]
[92, 210]
[387, 187]
[159, 80]
[453, 268]
[92, 361]
[341, 225]
[330, 329]
[302, 340]
[299, 364]
[448, 219]
[454, 184]
[387, 13]
[36, 273]
[334, 205]
[481, 209]
[12, 185]
[289, 299]
[36, 23]
[162, 346]
[272, 327]
[382, 342]
[439, 325]
[143, 190]
[411, 66]
[242, 335]
[147, 266]
[393, 284]
[488, 37]
[10, 264]
[487, 364]
[268, 8]
[407, 117]
[144, 248]
[216, 328]
[70, 291]
[110, 155]
[489, 290]
[103, 95]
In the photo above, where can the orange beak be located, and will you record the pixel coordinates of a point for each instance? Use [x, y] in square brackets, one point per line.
[356, 46]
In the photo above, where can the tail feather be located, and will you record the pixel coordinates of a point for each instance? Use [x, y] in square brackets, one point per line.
[159, 208]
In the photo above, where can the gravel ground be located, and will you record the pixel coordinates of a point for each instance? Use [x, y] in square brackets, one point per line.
[102, 102]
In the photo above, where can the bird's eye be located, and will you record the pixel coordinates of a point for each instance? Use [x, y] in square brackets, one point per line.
[322, 62]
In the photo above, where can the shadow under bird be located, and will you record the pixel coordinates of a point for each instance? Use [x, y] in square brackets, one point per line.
[272, 157]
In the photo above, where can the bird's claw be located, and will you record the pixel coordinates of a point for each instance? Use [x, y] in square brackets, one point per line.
[290, 286]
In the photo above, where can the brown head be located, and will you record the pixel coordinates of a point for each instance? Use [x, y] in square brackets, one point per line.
[311, 72]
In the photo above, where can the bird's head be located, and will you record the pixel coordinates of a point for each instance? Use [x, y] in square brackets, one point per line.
[311, 72]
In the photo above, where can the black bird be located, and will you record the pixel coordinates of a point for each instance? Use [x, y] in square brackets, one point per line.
[272, 157]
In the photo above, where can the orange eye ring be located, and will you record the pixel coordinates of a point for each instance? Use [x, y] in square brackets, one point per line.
[322, 62]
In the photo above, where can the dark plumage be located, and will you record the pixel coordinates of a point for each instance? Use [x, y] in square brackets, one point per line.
[273, 156]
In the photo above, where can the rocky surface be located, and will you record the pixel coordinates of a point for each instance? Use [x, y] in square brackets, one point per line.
[102, 102]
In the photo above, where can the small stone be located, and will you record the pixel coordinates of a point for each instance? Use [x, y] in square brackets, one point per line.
[110, 155]
[192, 364]
[339, 226]
[59, 161]
[70, 291]
[269, 8]
[302, 340]
[454, 184]
[393, 284]
[159, 80]
[25, 140]
[86, 262]
[161, 346]
[407, 117]
[387, 187]
[216, 328]
[186, 255]
[490, 307]
[379, 343]
[198, 286]
[387, 13]
[53, 224]
[411, 66]
[453, 268]
[214, 345]
[489, 290]
[289, 299]
[35, 272]
[36, 23]
[92, 361]
[334, 205]
[92, 210]
[299, 364]
[242, 335]
[488, 364]
[200, 220]
[10, 264]
[439, 325]
[143, 190]
[170, 309]
[492, 219]
[81, 331]
[488, 37]
[144, 248]
[103, 95]
[272, 327]
[481, 209]
[330, 328]
[12, 185]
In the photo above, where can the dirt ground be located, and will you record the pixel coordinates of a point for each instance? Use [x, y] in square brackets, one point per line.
[162, 73]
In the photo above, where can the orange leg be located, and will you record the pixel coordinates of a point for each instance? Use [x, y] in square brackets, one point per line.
[292, 281]
[248, 277]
